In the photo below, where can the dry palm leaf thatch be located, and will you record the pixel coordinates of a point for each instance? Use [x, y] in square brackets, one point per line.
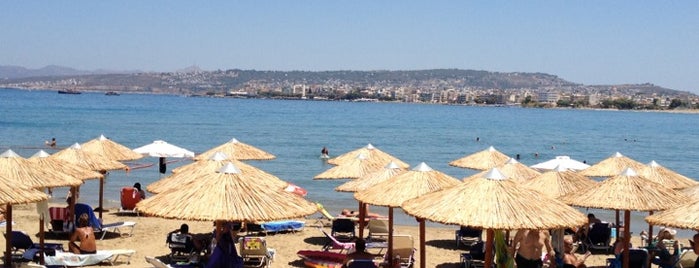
[202, 170]
[483, 160]
[514, 170]
[371, 152]
[11, 193]
[238, 151]
[494, 202]
[49, 163]
[216, 157]
[657, 173]
[31, 175]
[416, 182]
[76, 155]
[227, 195]
[110, 149]
[684, 217]
[691, 192]
[559, 182]
[371, 179]
[358, 167]
[627, 191]
[612, 166]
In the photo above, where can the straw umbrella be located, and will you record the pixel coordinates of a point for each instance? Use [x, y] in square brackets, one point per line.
[493, 202]
[512, 169]
[684, 217]
[76, 155]
[665, 176]
[203, 169]
[483, 160]
[563, 161]
[13, 194]
[367, 181]
[371, 152]
[361, 165]
[692, 192]
[227, 195]
[393, 192]
[110, 149]
[627, 191]
[612, 166]
[44, 160]
[237, 150]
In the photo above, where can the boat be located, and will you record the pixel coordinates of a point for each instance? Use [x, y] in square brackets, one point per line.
[69, 91]
[112, 93]
[321, 258]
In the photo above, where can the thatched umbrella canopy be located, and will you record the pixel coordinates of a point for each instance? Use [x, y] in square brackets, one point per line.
[238, 151]
[110, 149]
[612, 166]
[411, 184]
[227, 195]
[76, 155]
[371, 179]
[371, 152]
[49, 163]
[361, 165]
[665, 176]
[201, 170]
[30, 174]
[493, 202]
[483, 160]
[685, 217]
[559, 182]
[691, 192]
[627, 191]
[512, 169]
[562, 161]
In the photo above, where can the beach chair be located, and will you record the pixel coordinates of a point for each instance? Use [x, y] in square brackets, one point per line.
[24, 249]
[343, 229]
[129, 198]
[599, 237]
[255, 252]
[468, 236]
[686, 259]
[181, 247]
[403, 250]
[378, 228]
[335, 244]
[475, 257]
[97, 225]
[59, 216]
[325, 218]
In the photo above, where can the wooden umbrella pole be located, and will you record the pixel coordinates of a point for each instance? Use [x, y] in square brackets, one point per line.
[489, 236]
[8, 242]
[104, 173]
[650, 229]
[617, 224]
[362, 216]
[41, 239]
[389, 254]
[423, 254]
[627, 237]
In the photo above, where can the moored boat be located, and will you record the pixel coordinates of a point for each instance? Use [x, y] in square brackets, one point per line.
[112, 93]
[69, 91]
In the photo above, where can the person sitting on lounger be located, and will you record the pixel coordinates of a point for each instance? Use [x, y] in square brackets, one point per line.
[85, 235]
[352, 213]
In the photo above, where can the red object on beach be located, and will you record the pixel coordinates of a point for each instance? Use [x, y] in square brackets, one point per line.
[293, 188]
[321, 258]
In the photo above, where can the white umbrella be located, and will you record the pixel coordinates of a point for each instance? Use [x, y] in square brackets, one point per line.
[162, 149]
[563, 161]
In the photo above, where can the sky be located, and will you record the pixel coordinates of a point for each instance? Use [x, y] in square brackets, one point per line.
[589, 42]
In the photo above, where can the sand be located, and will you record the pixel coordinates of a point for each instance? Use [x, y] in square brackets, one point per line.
[149, 235]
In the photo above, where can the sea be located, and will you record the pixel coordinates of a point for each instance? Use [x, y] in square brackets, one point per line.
[296, 130]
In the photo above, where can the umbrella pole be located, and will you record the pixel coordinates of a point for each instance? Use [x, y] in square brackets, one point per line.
[102, 192]
[362, 216]
[423, 255]
[71, 210]
[617, 224]
[8, 242]
[627, 238]
[489, 236]
[41, 239]
[650, 229]
[389, 254]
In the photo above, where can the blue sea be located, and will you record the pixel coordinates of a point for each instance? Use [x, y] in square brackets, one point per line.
[296, 130]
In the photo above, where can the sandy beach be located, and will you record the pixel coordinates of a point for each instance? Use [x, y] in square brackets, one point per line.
[149, 235]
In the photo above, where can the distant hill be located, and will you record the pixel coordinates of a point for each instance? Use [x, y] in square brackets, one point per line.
[14, 72]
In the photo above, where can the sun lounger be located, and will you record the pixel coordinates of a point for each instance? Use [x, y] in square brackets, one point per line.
[103, 228]
[70, 259]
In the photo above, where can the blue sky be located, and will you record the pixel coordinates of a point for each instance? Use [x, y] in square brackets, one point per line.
[589, 42]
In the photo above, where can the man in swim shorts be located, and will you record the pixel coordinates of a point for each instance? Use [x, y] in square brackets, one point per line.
[527, 248]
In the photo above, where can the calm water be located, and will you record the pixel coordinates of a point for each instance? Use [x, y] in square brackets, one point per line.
[295, 131]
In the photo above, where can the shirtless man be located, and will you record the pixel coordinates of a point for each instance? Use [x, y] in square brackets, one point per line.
[85, 235]
[569, 259]
[526, 248]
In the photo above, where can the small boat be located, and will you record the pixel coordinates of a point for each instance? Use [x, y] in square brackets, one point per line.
[69, 91]
[321, 258]
[112, 93]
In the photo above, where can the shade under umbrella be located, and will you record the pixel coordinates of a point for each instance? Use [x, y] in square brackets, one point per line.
[237, 150]
[110, 149]
[512, 169]
[559, 182]
[227, 195]
[612, 166]
[371, 179]
[358, 167]
[561, 161]
[685, 217]
[483, 160]
[657, 173]
[203, 169]
[371, 152]
[42, 159]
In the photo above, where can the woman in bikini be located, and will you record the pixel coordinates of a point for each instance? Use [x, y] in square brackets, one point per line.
[85, 235]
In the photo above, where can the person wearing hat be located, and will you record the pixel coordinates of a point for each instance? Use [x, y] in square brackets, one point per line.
[661, 255]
